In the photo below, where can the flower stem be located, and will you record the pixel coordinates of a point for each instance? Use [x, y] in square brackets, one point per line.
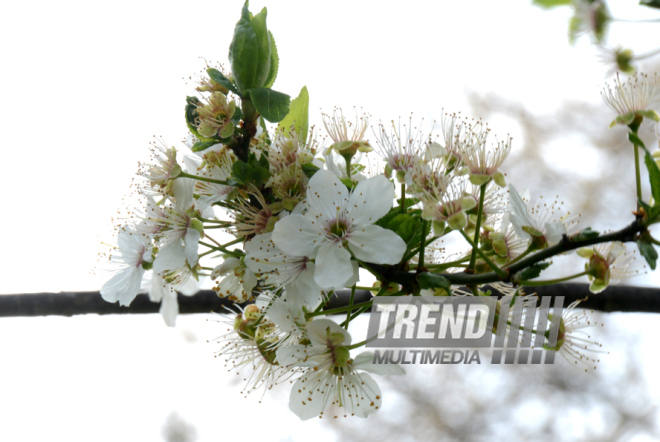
[501, 273]
[638, 178]
[350, 304]
[550, 281]
[332, 311]
[201, 178]
[475, 244]
[403, 197]
[348, 166]
[422, 245]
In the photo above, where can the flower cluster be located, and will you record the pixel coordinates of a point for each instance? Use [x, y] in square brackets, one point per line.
[280, 222]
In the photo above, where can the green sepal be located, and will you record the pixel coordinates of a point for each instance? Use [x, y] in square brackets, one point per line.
[252, 172]
[219, 78]
[192, 103]
[274, 62]
[272, 105]
[650, 114]
[647, 250]
[203, 145]
[532, 231]
[298, 116]
[650, 3]
[547, 4]
[429, 280]
[533, 271]
[309, 169]
[624, 119]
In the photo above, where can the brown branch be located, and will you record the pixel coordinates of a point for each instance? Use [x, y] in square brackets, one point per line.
[614, 299]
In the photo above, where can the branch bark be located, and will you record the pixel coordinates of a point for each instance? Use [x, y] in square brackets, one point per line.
[614, 299]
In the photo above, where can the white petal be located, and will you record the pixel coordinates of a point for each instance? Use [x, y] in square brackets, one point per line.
[304, 289]
[169, 307]
[292, 355]
[307, 402]
[227, 266]
[285, 315]
[377, 245]
[325, 193]
[191, 241]
[298, 235]
[249, 281]
[170, 257]
[318, 332]
[364, 361]
[554, 232]
[361, 395]
[123, 286]
[371, 200]
[333, 266]
[182, 188]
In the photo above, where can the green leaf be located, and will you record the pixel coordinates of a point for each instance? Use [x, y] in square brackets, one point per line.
[203, 145]
[253, 171]
[274, 62]
[249, 52]
[309, 169]
[263, 44]
[650, 3]
[647, 250]
[219, 78]
[654, 176]
[533, 271]
[272, 105]
[636, 140]
[298, 116]
[547, 4]
[433, 280]
[585, 234]
[404, 225]
[244, 53]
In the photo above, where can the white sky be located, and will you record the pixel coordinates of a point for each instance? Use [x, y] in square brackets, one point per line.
[85, 86]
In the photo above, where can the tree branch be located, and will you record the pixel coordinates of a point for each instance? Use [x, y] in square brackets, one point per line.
[614, 299]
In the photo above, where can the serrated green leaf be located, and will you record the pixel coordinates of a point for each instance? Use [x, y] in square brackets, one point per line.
[404, 225]
[272, 105]
[298, 116]
[258, 24]
[433, 280]
[203, 145]
[650, 3]
[219, 78]
[244, 53]
[647, 250]
[309, 169]
[274, 62]
[252, 172]
[533, 271]
[547, 4]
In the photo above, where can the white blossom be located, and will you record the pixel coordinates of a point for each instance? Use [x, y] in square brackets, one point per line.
[338, 221]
